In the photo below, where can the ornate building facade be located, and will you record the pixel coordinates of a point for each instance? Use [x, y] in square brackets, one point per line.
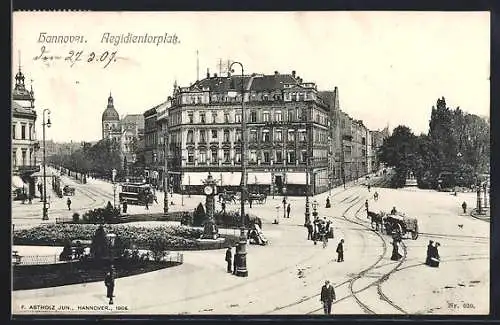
[24, 142]
[111, 128]
[287, 125]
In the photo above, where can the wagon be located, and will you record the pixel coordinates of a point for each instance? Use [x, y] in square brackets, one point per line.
[68, 190]
[401, 224]
[257, 197]
[227, 197]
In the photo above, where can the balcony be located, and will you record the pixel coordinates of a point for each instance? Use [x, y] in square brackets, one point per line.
[28, 168]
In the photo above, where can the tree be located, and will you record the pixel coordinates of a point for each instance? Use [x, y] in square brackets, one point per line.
[199, 215]
[99, 246]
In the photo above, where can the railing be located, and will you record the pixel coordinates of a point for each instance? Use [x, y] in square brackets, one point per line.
[34, 259]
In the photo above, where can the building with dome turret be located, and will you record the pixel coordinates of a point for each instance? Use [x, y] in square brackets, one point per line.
[111, 128]
[24, 142]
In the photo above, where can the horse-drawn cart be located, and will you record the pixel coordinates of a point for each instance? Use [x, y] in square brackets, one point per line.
[391, 223]
[68, 190]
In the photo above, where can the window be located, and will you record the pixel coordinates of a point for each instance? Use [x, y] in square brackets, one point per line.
[190, 156]
[303, 156]
[291, 135]
[291, 115]
[253, 136]
[23, 132]
[278, 117]
[202, 118]
[13, 131]
[23, 156]
[291, 157]
[279, 157]
[363, 141]
[237, 157]
[265, 136]
[303, 136]
[265, 97]
[30, 132]
[190, 117]
[253, 116]
[238, 135]
[226, 135]
[294, 97]
[266, 117]
[214, 135]
[226, 117]
[226, 155]
[203, 136]
[203, 157]
[253, 156]
[267, 157]
[14, 158]
[190, 136]
[301, 97]
[214, 117]
[237, 118]
[277, 135]
[214, 155]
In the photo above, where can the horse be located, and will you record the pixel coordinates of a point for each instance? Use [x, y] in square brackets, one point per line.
[377, 220]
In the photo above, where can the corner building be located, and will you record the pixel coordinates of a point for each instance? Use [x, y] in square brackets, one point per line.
[287, 125]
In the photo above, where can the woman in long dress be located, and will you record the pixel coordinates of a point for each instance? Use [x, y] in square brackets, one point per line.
[435, 259]
[395, 252]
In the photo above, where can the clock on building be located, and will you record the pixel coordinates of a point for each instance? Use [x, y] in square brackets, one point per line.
[209, 190]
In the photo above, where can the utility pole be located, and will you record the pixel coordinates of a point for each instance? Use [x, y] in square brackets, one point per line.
[308, 157]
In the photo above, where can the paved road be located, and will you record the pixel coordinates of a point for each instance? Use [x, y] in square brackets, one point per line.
[286, 276]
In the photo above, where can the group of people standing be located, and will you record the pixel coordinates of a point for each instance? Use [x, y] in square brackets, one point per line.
[319, 229]
[432, 258]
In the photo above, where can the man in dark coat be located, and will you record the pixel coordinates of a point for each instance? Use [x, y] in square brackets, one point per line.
[109, 282]
[340, 251]
[429, 252]
[124, 206]
[68, 202]
[223, 205]
[288, 208]
[328, 205]
[327, 297]
[310, 230]
[435, 259]
[395, 252]
[464, 207]
[229, 259]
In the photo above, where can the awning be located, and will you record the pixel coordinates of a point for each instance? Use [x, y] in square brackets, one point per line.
[228, 178]
[17, 182]
[296, 178]
[48, 173]
[195, 178]
[259, 178]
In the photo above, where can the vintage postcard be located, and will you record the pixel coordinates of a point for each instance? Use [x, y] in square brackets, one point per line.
[250, 163]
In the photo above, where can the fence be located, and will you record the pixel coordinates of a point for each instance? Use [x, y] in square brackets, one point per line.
[34, 259]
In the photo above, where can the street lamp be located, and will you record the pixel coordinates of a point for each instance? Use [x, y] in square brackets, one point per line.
[182, 185]
[48, 124]
[165, 172]
[241, 269]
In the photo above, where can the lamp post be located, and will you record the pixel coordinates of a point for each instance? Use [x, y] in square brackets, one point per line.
[479, 210]
[308, 156]
[48, 124]
[182, 185]
[113, 177]
[485, 190]
[165, 172]
[241, 268]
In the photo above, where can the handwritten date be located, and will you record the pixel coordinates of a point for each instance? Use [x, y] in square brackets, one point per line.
[72, 57]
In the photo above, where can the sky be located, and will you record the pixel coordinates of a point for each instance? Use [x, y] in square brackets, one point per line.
[389, 67]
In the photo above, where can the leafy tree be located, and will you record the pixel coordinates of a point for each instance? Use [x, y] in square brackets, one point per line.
[99, 246]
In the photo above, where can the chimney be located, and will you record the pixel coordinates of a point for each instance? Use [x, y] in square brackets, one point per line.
[293, 73]
[208, 73]
[276, 73]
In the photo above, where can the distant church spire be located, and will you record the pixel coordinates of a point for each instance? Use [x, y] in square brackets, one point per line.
[110, 100]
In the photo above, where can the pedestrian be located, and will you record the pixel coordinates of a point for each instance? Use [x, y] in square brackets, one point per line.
[68, 202]
[395, 252]
[435, 259]
[109, 282]
[429, 252]
[146, 203]
[366, 205]
[29, 198]
[394, 211]
[369, 187]
[327, 297]
[229, 259]
[375, 196]
[250, 202]
[340, 251]
[288, 208]
[328, 205]
[310, 230]
[223, 204]
[464, 207]
[125, 205]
